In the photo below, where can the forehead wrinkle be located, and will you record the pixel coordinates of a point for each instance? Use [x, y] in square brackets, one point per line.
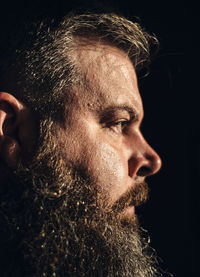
[103, 68]
[104, 62]
[100, 57]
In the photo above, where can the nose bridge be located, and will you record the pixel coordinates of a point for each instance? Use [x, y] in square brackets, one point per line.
[143, 160]
[139, 145]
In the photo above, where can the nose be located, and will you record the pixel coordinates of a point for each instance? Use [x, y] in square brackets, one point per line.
[144, 161]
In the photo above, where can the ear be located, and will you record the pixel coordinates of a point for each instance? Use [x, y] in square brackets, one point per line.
[16, 130]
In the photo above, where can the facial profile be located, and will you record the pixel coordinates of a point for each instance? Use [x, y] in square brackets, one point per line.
[107, 117]
[72, 197]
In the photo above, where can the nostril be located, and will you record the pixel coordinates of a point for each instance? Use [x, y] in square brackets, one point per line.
[144, 165]
[144, 171]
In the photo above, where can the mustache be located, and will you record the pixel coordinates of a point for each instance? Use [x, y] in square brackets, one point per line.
[135, 196]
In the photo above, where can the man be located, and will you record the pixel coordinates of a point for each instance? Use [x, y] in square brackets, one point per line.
[73, 159]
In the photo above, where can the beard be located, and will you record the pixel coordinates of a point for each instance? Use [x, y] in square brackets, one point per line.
[54, 223]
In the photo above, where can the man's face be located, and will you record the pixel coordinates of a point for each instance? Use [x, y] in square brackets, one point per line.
[102, 136]
[68, 205]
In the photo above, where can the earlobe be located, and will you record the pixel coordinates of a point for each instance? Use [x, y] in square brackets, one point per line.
[10, 151]
[11, 117]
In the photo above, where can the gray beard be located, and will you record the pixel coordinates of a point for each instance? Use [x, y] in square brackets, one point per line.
[58, 228]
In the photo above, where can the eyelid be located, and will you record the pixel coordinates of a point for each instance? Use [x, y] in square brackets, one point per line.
[119, 125]
[113, 113]
[118, 120]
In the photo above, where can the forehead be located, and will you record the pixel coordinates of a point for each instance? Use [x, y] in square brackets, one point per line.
[109, 76]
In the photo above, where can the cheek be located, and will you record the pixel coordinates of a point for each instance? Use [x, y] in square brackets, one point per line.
[109, 168]
[103, 161]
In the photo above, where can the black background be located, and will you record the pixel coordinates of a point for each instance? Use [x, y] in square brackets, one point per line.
[171, 125]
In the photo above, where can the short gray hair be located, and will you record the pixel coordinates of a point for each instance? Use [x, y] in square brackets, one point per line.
[48, 63]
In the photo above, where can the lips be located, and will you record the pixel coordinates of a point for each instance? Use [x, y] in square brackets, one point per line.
[135, 197]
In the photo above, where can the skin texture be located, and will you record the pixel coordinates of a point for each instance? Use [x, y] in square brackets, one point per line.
[102, 135]
[74, 200]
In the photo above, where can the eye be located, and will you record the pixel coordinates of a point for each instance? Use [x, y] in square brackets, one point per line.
[118, 126]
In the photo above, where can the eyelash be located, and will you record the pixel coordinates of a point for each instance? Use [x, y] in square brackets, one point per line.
[119, 123]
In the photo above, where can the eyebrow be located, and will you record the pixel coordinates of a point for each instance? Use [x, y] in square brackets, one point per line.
[110, 110]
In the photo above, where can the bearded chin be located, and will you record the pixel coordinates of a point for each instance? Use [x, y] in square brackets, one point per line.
[58, 228]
